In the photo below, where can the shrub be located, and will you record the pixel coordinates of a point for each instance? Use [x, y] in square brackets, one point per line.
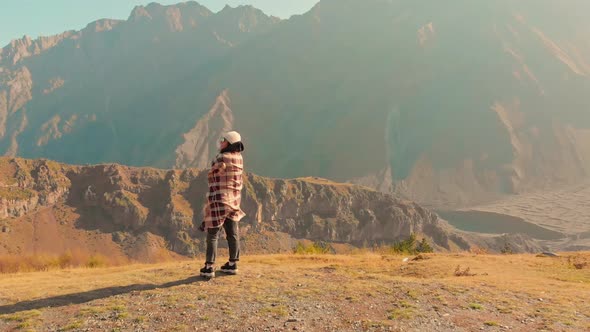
[424, 247]
[96, 261]
[412, 246]
[406, 246]
[316, 248]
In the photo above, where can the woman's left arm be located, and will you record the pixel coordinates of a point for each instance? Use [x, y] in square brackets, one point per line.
[218, 165]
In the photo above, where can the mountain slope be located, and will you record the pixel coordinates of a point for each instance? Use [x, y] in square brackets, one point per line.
[448, 104]
[86, 90]
[457, 105]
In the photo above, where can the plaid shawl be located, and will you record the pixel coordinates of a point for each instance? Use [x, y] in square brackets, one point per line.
[225, 186]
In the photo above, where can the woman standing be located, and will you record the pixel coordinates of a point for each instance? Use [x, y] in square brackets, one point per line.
[223, 203]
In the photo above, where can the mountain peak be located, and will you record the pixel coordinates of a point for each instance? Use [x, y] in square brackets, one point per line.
[242, 9]
[138, 12]
[102, 25]
[176, 17]
[247, 17]
[154, 9]
[26, 46]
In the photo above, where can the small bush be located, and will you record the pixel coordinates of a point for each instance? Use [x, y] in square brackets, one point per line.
[400, 313]
[316, 248]
[424, 247]
[411, 246]
[475, 306]
[96, 261]
[65, 260]
[407, 246]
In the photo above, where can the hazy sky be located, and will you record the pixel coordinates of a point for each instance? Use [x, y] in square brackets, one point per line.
[47, 17]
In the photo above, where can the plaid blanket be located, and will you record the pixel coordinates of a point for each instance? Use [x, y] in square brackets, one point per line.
[225, 187]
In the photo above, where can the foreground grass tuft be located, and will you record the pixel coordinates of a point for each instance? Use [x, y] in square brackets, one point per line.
[72, 326]
[475, 306]
[400, 313]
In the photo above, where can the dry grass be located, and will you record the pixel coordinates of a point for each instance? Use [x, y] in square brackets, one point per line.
[24, 286]
[372, 290]
[579, 262]
[73, 326]
[70, 259]
[25, 320]
[463, 272]
[514, 272]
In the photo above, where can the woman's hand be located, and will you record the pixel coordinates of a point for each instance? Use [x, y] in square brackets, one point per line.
[219, 167]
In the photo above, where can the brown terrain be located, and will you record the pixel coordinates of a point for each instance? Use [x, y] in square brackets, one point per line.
[145, 214]
[358, 292]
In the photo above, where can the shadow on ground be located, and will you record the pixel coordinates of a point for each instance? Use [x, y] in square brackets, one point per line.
[83, 297]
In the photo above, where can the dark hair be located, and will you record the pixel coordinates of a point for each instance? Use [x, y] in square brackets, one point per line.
[236, 147]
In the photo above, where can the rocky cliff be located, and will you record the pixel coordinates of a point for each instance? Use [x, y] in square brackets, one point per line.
[130, 203]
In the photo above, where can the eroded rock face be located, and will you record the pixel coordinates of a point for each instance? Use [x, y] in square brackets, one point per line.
[25, 186]
[129, 201]
[319, 210]
[200, 143]
[10, 207]
[15, 92]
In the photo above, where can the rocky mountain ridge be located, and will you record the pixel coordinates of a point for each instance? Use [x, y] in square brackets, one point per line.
[129, 203]
[54, 89]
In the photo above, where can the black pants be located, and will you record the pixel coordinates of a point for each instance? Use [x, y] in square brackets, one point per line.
[232, 232]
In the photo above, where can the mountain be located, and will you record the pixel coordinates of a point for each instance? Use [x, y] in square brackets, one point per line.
[86, 90]
[450, 104]
[144, 213]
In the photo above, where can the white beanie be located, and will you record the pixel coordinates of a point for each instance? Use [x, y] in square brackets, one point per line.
[232, 137]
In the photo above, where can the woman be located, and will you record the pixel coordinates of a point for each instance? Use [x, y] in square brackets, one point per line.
[223, 203]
